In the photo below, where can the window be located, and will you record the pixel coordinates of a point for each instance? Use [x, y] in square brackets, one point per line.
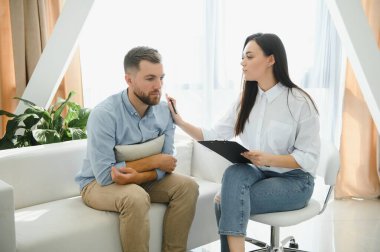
[201, 43]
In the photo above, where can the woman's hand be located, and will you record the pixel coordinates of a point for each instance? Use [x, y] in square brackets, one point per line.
[258, 158]
[173, 109]
[194, 131]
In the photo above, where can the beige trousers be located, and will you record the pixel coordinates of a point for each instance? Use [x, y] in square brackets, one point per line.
[133, 202]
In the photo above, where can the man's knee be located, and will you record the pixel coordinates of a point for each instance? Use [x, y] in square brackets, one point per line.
[192, 187]
[134, 199]
[189, 188]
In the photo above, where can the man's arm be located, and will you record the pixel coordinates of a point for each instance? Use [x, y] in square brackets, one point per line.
[162, 161]
[126, 175]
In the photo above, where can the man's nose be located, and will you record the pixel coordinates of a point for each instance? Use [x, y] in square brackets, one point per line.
[158, 83]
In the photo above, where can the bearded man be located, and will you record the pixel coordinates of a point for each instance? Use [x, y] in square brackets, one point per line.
[131, 117]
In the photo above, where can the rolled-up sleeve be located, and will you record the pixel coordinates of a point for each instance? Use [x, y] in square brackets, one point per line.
[100, 145]
[307, 144]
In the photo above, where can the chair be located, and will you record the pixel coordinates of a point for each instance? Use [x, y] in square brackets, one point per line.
[328, 169]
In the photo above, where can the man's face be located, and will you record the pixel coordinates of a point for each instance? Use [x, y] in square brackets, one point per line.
[146, 82]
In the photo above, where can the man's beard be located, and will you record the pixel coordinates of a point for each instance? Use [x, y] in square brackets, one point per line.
[146, 99]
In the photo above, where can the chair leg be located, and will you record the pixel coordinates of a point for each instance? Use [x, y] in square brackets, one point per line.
[256, 242]
[274, 243]
[293, 250]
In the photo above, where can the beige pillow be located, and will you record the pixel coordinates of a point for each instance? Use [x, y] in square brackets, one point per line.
[131, 152]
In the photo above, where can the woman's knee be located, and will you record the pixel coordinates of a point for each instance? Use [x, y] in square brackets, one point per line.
[236, 172]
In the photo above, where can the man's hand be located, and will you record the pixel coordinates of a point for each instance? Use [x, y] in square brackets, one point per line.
[258, 158]
[166, 162]
[124, 176]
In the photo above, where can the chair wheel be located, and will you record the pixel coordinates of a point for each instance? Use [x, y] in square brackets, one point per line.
[293, 244]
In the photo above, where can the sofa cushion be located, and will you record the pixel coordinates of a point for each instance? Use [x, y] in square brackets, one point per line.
[42, 173]
[183, 153]
[207, 164]
[69, 225]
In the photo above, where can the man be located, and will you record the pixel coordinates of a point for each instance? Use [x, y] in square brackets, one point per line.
[135, 116]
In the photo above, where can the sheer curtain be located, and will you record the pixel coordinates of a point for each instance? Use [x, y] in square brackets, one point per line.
[201, 43]
[25, 29]
[323, 80]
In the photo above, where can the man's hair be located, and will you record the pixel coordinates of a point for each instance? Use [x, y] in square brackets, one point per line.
[133, 58]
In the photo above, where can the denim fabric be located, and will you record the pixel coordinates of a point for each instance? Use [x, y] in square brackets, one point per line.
[247, 190]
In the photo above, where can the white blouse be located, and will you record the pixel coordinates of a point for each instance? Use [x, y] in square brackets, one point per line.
[281, 122]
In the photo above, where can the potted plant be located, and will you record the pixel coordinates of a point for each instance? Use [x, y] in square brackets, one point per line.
[38, 126]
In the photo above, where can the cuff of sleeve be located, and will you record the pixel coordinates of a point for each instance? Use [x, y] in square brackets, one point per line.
[160, 174]
[120, 164]
[307, 164]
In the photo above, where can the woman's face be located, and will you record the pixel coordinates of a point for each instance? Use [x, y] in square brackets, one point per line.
[256, 65]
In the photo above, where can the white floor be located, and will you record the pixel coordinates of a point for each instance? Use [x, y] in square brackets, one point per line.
[345, 226]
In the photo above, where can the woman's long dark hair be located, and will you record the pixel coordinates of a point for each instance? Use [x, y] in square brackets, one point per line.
[271, 44]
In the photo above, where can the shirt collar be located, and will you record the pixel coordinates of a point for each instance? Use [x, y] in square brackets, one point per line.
[131, 109]
[273, 92]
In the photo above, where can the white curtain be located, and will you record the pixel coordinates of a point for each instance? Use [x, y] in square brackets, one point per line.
[324, 78]
[201, 42]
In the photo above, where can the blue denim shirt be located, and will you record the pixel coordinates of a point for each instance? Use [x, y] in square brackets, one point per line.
[116, 122]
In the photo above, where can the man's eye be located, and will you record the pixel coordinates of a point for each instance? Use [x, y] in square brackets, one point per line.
[150, 79]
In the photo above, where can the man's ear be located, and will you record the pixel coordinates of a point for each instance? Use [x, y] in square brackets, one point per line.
[128, 78]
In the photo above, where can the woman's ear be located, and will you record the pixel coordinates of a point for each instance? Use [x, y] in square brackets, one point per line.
[271, 60]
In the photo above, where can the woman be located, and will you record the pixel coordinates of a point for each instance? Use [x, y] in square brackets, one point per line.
[278, 122]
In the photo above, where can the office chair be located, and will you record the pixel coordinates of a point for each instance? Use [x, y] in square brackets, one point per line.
[328, 169]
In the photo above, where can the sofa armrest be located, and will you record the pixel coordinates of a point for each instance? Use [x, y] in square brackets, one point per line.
[207, 165]
[7, 221]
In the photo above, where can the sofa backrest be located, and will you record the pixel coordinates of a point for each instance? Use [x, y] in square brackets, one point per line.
[44, 173]
[207, 164]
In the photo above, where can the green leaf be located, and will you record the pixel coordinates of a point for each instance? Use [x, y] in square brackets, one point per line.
[66, 135]
[58, 124]
[25, 140]
[6, 113]
[35, 110]
[15, 124]
[40, 126]
[77, 134]
[73, 112]
[32, 120]
[82, 119]
[26, 102]
[46, 136]
[6, 143]
[59, 110]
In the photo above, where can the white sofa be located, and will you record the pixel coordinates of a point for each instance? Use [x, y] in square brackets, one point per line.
[41, 210]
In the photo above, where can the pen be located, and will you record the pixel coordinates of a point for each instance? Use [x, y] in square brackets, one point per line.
[171, 102]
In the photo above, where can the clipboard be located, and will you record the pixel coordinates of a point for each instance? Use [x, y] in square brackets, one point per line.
[230, 150]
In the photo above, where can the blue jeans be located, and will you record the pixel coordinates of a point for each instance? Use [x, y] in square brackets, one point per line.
[247, 190]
